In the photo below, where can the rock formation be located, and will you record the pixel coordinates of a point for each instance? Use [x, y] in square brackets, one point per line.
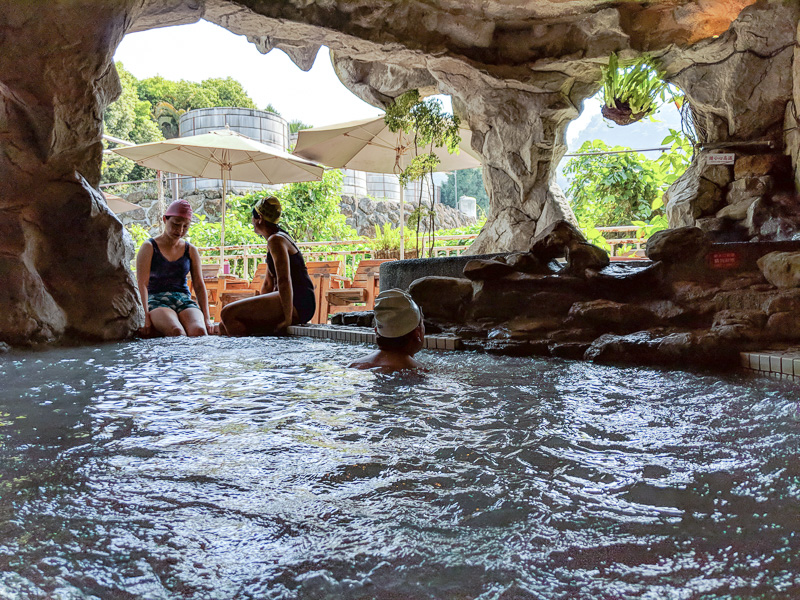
[517, 73]
[684, 309]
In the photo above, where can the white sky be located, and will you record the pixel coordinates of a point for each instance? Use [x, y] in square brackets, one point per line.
[204, 50]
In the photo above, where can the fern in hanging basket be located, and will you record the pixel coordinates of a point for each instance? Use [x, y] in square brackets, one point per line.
[632, 92]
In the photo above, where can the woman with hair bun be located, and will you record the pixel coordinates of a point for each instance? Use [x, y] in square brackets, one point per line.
[162, 264]
[287, 295]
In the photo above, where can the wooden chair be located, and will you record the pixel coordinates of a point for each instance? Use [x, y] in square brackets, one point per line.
[325, 275]
[361, 290]
[258, 277]
[233, 289]
[212, 283]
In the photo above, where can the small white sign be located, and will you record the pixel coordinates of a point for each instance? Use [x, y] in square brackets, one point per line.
[720, 159]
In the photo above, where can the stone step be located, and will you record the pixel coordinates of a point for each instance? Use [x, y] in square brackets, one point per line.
[363, 335]
[780, 364]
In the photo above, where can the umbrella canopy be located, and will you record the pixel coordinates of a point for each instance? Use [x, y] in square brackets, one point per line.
[223, 154]
[118, 205]
[369, 145]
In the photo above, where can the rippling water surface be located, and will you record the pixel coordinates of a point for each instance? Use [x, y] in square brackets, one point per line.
[261, 468]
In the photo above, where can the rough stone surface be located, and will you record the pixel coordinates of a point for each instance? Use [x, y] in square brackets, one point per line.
[442, 297]
[556, 240]
[581, 257]
[781, 269]
[480, 269]
[685, 244]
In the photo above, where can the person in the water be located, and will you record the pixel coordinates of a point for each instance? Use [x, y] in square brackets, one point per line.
[399, 334]
[287, 296]
[162, 264]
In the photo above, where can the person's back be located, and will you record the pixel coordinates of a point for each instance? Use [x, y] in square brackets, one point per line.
[399, 333]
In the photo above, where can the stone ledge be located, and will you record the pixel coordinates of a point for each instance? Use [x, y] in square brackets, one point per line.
[780, 364]
[362, 335]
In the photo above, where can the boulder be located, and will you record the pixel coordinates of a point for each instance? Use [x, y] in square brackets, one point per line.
[582, 256]
[781, 269]
[783, 301]
[483, 269]
[739, 324]
[697, 348]
[363, 318]
[525, 262]
[748, 188]
[756, 165]
[737, 211]
[442, 298]
[606, 315]
[556, 240]
[783, 326]
[548, 295]
[682, 245]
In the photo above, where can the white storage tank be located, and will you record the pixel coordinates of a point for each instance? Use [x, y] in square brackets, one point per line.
[354, 184]
[428, 187]
[383, 185]
[265, 127]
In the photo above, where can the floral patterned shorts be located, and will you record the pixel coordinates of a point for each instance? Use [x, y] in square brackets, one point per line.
[177, 301]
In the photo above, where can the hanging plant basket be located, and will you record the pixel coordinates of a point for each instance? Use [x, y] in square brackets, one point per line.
[631, 92]
[621, 113]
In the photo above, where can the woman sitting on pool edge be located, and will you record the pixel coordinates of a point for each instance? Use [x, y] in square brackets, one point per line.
[399, 333]
[287, 296]
[162, 265]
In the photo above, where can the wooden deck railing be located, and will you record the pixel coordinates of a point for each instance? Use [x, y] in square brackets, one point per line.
[242, 259]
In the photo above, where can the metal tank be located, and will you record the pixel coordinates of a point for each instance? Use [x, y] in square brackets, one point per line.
[265, 127]
[383, 185]
[412, 191]
[354, 184]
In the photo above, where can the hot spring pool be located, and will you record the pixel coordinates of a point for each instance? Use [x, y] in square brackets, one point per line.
[259, 468]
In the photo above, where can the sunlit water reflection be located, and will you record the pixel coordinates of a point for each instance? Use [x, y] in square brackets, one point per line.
[262, 468]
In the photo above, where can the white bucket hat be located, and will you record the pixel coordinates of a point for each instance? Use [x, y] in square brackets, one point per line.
[396, 313]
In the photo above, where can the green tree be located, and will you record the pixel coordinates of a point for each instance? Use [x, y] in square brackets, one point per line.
[609, 186]
[470, 183]
[129, 119]
[310, 213]
[610, 189]
[430, 128]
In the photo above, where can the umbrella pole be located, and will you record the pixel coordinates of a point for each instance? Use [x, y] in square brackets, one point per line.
[402, 225]
[222, 228]
[161, 209]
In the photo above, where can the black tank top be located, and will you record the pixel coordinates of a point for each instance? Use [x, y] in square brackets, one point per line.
[168, 275]
[303, 296]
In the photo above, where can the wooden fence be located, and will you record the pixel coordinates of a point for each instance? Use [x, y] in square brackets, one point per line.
[242, 259]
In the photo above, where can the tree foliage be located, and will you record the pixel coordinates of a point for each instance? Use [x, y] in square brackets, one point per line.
[149, 110]
[470, 183]
[608, 189]
[129, 118]
[430, 128]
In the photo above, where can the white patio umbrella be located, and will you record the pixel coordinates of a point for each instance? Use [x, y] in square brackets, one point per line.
[223, 154]
[118, 205]
[369, 145]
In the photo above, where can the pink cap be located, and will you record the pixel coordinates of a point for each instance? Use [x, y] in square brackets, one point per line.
[179, 208]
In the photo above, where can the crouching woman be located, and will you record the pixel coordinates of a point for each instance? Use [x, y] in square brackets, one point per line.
[162, 264]
[287, 296]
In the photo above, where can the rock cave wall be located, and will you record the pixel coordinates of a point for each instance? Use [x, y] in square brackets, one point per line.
[517, 72]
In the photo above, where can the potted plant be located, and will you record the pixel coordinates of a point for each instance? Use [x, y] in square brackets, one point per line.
[386, 243]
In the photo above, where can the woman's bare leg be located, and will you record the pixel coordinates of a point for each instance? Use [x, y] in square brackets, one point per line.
[166, 321]
[252, 316]
[193, 321]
